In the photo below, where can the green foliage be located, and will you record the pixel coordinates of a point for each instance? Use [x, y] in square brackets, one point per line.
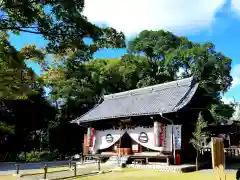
[34, 156]
[5, 128]
[181, 57]
[65, 28]
[16, 79]
[61, 23]
[222, 112]
[21, 120]
[198, 134]
[24, 110]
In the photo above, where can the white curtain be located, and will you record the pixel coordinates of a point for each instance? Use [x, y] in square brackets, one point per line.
[167, 137]
[134, 134]
[101, 138]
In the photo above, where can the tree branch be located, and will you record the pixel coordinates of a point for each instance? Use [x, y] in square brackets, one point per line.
[33, 32]
[20, 29]
[31, 27]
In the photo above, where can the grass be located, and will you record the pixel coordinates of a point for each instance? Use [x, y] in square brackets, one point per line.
[153, 175]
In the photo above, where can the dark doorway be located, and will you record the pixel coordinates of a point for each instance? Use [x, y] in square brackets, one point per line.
[126, 141]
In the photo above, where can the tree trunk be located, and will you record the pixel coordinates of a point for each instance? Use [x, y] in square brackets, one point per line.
[197, 161]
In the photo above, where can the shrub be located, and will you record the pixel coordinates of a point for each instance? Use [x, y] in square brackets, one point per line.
[34, 156]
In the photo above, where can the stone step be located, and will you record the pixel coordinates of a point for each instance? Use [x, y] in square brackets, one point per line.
[116, 159]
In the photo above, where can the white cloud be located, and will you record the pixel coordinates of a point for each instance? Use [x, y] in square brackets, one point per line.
[133, 16]
[236, 75]
[227, 100]
[235, 82]
[235, 5]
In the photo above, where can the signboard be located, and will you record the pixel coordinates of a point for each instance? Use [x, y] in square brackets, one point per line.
[218, 156]
[177, 136]
[143, 137]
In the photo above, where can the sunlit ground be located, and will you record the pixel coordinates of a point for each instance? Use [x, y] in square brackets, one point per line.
[153, 175]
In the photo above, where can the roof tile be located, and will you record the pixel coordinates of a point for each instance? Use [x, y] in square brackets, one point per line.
[162, 98]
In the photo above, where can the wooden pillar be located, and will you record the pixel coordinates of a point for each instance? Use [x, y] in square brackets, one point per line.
[229, 140]
[89, 134]
[139, 148]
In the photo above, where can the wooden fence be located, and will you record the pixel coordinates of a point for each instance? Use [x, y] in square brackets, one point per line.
[230, 152]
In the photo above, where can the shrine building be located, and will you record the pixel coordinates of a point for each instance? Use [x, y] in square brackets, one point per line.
[154, 122]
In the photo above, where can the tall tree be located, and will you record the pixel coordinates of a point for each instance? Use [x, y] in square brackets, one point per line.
[62, 24]
[71, 38]
[184, 58]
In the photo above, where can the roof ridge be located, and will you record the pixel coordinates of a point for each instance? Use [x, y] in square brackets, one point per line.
[153, 88]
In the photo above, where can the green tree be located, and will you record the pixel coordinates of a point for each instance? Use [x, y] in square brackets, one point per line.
[27, 117]
[198, 135]
[72, 39]
[181, 58]
[16, 78]
[61, 23]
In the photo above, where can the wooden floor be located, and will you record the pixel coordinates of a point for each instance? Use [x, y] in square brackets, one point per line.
[158, 166]
[143, 154]
[143, 158]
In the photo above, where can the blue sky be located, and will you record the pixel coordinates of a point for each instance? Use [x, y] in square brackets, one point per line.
[216, 21]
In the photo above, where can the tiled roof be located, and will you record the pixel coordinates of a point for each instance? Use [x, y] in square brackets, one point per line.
[162, 98]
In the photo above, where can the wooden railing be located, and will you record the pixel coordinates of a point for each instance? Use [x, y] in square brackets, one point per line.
[232, 151]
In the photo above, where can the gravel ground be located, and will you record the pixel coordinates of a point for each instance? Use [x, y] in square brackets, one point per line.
[10, 166]
[81, 170]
